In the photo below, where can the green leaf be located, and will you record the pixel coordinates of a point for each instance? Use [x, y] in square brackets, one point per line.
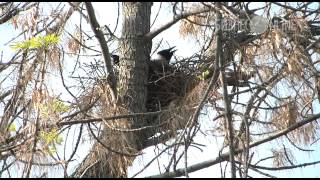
[205, 74]
[52, 150]
[37, 42]
[52, 137]
[59, 140]
[60, 106]
[12, 128]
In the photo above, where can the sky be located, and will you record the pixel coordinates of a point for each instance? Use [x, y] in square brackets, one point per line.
[106, 14]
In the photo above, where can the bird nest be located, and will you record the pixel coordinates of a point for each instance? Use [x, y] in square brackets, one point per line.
[165, 84]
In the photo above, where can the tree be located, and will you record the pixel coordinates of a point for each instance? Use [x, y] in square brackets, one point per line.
[139, 103]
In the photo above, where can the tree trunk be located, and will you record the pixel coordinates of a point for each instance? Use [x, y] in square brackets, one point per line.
[109, 160]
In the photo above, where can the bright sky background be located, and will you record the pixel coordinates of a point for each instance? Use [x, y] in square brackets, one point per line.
[106, 13]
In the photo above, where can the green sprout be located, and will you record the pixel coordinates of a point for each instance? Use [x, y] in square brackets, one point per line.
[37, 42]
[12, 128]
[59, 106]
[51, 139]
[204, 75]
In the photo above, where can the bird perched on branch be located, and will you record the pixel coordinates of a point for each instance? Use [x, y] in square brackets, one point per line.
[165, 55]
[115, 59]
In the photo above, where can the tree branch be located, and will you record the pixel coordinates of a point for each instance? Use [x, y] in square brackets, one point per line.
[103, 44]
[14, 11]
[154, 33]
[284, 167]
[227, 103]
[224, 157]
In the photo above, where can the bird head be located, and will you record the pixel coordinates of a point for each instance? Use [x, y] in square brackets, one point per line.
[115, 59]
[167, 53]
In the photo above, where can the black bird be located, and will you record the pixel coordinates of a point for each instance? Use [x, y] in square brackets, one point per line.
[277, 22]
[166, 54]
[115, 59]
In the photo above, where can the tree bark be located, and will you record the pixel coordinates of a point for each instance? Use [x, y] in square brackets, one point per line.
[135, 52]
[112, 158]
